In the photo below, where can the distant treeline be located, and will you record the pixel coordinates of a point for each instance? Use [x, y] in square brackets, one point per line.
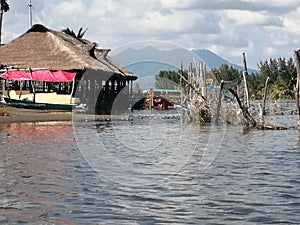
[281, 84]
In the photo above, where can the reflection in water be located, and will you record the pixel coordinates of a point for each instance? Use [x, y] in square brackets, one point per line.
[32, 160]
[254, 178]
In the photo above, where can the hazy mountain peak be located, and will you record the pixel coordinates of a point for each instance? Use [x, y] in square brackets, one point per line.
[150, 60]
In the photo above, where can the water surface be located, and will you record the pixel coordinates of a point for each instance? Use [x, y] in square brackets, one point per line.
[148, 171]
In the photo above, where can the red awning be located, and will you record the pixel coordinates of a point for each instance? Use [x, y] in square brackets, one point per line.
[40, 75]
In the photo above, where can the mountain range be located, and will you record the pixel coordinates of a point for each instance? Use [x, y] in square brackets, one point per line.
[148, 61]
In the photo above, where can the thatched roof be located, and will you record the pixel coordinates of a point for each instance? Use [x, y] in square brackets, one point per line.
[41, 47]
[102, 55]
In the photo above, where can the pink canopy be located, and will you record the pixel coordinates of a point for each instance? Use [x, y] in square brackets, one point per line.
[41, 75]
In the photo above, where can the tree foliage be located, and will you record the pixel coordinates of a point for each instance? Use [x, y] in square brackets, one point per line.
[234, 77]
[227, 73]
[281, 72]
[170, 79]
[282, 75]
[79, 35]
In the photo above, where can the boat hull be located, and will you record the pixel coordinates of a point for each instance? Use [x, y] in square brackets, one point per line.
[43, 106]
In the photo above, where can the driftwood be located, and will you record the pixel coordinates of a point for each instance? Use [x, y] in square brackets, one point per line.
[249, 119]
[264, 126]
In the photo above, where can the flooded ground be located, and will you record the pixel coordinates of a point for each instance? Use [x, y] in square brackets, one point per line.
[148, 171]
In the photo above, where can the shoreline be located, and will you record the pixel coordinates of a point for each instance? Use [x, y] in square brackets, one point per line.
[19, 115]
[9, 114]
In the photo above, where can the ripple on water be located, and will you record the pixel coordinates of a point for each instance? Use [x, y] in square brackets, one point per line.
[254, 178]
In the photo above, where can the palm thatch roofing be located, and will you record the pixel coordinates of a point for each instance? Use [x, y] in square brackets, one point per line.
[41, 47]
[102, 55]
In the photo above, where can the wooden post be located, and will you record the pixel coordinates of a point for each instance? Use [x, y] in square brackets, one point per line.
[189, 83]
[2, 89]
[180, 79]
[20, 94]
[245, 75]
[131, 87]
[204, 71]
[265, 97]
[249, 119]
[72, 90]
[297, 64]
[7, 84]
[32, 84]
[219, 102]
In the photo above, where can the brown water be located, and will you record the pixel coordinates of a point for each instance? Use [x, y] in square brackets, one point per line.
[108, 173]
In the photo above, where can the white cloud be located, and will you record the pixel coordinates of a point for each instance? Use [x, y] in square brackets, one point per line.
[183, 4]
[244, 18]
[226, 27]
[292, 20]
[275, 3]
[270, 51]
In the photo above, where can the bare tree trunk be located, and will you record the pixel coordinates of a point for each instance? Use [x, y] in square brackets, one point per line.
[245, 76]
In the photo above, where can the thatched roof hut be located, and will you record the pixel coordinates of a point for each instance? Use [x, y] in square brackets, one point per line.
[102, 55]
[41, 47]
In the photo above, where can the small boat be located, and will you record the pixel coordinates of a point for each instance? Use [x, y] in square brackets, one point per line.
[28, 104]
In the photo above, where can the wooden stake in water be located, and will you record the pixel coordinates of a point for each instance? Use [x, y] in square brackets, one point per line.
[245, 75]
[219, 101]
[297, 65]
[265, 97]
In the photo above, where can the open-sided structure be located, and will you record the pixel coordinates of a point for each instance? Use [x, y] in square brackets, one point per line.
[34, 63]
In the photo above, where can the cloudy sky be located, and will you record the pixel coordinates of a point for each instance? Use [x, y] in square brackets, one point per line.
[262, 29]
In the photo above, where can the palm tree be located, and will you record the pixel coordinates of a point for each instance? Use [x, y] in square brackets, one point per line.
[4, 7]
[79, 35]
